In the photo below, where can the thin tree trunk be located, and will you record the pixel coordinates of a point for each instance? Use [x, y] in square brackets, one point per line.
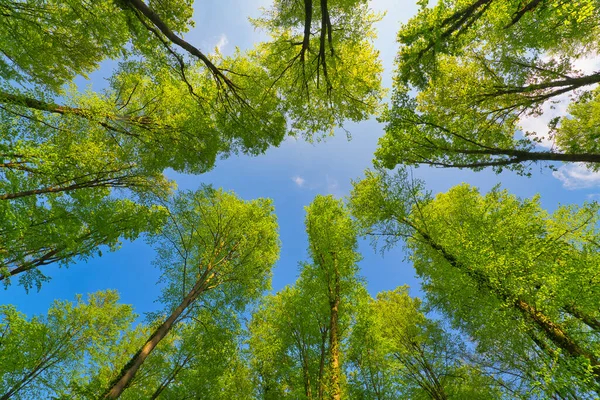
[306, 373]
[169, 379]
[19, 385]
[141, 7]
[308, 9]
[109, 182]
[587, 319]
[514, 157]
[334, 340]
[129, 370]
[47, 258]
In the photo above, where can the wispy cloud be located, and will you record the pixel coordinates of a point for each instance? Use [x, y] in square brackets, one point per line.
[577, 176]
[333, 186]
[222, 42]
[298, 180]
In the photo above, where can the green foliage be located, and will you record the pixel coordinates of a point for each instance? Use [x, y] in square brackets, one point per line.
[65, 153]
[321, 60]
[298, 336]
[469, 71]
[396, 352]
[216, 252]
[41, 354]
[214, 235]
[512, 287]
[514, 278]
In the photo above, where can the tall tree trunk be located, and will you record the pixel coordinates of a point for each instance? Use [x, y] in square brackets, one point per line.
[306, 374]
[334, 339]
[129, 370]
[308, 9]
[552, 330]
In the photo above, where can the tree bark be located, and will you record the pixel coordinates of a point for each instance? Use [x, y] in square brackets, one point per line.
[583, 317]
[308, 9]
[165, 30]
[553, 331]
[129, 370]
[334, 339]
[29, 102]
[516, 156]
[322, 364]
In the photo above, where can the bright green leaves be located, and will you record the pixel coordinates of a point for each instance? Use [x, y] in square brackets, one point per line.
[578, 132]
[49, 43]
[65, 230]
[41, 354]
[508, 274]
[288, 342]
[396, 352]
[67, 187]
[478, 68]
[298, 336]
[518, 280]
[322, 62]
[505, 30]
[168, 105]
[331, 234]
[214, 235]
[216, 252]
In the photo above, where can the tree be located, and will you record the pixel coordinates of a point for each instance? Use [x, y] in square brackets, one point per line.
[321, 54]
[167, 105]
[332, 245]
[297, 336]
[216, 251]
[397, 352]
[288, 342]
[41, 354]
[524, 293]
[469, 71]
[198, 359]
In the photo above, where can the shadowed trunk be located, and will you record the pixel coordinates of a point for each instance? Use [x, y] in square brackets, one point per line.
[552, 330]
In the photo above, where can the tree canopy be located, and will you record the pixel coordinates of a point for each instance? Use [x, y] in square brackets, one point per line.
[506, 305]
[469, 72]
[524, 294]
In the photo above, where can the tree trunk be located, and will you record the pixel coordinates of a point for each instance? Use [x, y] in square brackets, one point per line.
[306, 374]
[587, 319]
[334, 339]
[553, 331]
[129, 370]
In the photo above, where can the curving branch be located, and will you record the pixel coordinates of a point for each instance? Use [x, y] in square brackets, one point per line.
[141, 7]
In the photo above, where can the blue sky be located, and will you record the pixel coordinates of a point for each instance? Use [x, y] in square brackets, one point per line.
[291, 175]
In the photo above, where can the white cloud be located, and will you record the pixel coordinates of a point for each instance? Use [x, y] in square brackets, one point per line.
[333, 186]
[558, 105]
[223, 41]
[298, 180]
[577, 176]
[539, 124]
[587, 65]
